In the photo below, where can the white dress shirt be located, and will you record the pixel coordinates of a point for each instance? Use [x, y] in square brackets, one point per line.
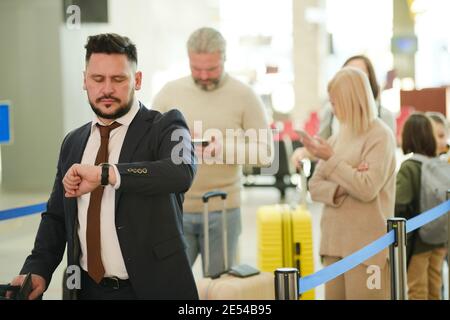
[110, 249]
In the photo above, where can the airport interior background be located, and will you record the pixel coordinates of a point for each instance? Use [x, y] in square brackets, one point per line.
[287, 50]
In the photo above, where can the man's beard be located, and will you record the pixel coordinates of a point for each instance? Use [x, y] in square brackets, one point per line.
[212, 84]
[123, 108]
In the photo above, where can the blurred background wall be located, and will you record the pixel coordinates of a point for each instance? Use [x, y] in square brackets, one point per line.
[286, 49]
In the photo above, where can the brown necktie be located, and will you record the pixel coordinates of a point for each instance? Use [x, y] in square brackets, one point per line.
[94, 258]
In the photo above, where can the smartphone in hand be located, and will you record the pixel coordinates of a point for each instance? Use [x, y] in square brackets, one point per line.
[25, 288]
[303, 134]
[200, 142]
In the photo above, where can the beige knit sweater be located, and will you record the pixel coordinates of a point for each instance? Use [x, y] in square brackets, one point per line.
[359, 217]
[233, 105]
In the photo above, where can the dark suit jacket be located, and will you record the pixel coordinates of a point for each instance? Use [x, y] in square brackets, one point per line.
[148, 208]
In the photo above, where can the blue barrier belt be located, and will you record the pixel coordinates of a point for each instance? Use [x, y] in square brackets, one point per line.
[427, 216]
[349, 262]
[22, 211]
[336, 269]
[324, 275]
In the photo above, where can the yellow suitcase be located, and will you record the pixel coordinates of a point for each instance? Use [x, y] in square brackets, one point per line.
[285, 238]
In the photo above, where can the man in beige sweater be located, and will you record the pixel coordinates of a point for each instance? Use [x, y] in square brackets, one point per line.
[227, 113]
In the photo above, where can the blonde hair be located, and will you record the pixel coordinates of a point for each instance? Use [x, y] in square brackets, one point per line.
[353, 99]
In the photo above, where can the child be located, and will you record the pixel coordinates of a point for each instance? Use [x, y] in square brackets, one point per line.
[441, 131]
[424, 260]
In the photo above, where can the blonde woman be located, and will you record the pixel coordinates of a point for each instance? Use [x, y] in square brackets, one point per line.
[329, 124]
[355, 179]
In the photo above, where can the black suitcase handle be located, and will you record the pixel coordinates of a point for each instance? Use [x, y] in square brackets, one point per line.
[214, 194]
[205, 198]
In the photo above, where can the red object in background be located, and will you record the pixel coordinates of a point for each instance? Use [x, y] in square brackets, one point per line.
[313, 124]
[405, 111]
[284, 128]
[427, 99]
[423, 100]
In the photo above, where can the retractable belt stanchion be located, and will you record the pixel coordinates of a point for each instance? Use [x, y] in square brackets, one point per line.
[397, 257]
[286, 284]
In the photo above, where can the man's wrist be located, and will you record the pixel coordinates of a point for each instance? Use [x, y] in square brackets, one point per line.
[99, 174]
[112, 176]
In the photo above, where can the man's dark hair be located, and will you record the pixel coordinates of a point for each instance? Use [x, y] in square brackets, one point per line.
[418, 135]
[110, 43]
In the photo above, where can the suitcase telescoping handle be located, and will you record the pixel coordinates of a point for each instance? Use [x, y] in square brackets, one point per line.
[205, 198]
[214, 194]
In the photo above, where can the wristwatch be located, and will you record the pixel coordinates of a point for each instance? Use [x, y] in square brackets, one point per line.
[105, 174]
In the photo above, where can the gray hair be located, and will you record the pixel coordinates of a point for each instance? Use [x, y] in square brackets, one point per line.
[207, 40]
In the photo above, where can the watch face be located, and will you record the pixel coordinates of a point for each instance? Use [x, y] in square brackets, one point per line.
[105, 174]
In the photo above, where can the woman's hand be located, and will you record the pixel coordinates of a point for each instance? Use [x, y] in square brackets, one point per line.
[339, 193]
[318, 147]
[298, 155]
[363, 166]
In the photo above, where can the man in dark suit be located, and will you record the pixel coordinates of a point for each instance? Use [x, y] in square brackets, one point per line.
[118, 193]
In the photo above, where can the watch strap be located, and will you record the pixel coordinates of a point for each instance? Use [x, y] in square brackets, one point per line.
[105, 174]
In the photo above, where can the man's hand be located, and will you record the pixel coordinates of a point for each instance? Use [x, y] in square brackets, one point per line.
[38, 284]
[81, 179]
[212, 151]
[318, 147]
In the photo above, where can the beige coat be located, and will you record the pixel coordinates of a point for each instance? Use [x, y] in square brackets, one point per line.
[357, 218]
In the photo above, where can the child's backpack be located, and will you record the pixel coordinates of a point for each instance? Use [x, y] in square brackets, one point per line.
[435, 181]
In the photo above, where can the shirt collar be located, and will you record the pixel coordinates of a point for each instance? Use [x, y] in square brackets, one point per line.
[124, 120]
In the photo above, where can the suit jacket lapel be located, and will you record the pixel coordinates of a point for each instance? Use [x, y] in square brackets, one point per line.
[137, 129]
[81, 145]
[75, 157]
